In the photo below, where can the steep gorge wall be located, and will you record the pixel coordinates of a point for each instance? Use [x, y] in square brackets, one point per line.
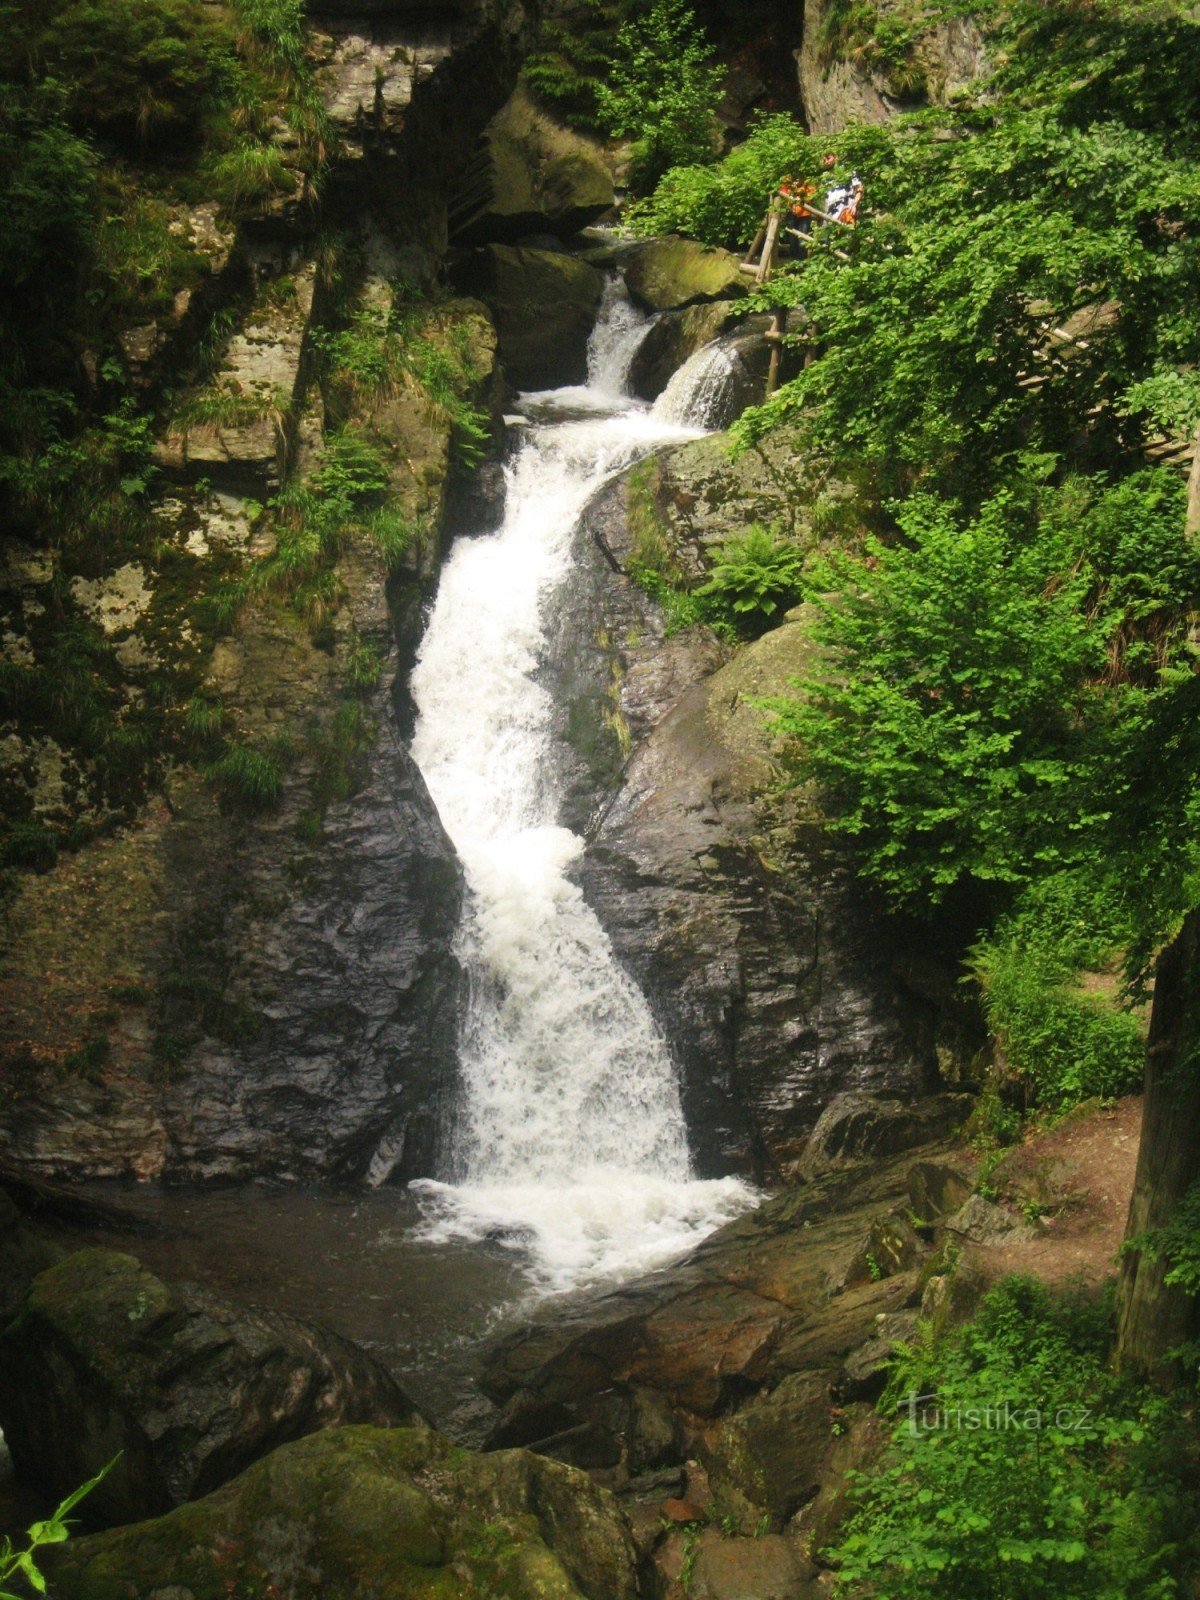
[215, 989]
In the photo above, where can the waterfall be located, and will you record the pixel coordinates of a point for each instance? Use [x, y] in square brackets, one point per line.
[570, 1141]
[701, 390]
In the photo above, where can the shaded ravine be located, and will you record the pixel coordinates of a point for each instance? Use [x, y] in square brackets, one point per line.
[569, 1141]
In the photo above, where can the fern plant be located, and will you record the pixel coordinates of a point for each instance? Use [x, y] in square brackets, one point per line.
[756, 574]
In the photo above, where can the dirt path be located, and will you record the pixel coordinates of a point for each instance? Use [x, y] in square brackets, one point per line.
[1079, 1176]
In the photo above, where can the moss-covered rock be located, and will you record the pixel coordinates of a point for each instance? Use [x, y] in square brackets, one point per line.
[364, 1514]
[534, 176]
[105, 1360]
[664, 274]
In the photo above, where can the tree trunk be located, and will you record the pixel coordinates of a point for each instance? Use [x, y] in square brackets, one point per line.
[1156, 1319]
[1192, 524]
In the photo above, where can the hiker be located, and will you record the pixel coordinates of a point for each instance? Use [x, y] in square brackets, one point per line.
[837, 199]
[849, 211]
[800, 197]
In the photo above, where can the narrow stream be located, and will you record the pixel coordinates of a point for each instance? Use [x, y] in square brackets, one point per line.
[570, 1143]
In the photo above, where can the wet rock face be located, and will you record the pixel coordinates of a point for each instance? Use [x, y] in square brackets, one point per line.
[337, 1033]
[770, 971]
[544, 303]
[365, 1514]
[106, 1358]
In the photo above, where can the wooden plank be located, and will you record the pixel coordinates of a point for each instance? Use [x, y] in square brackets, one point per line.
[750, 264]
[768, 255]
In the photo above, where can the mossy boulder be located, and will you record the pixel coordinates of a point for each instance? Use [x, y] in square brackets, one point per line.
[535, 176]
[664, 274]
[105, 1359]
[671, 338]
[361, 1513]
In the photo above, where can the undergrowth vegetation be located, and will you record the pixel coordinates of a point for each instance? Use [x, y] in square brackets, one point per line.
[1022, 1469]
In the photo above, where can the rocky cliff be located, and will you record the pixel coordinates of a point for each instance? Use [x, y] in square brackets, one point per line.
[866, 63]
[242, 962]
[776, 978]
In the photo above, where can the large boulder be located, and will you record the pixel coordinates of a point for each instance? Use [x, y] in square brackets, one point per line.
[544, 303]
[768, 1455]
[763, 1568]
[364, 1514]
[532, 176]
[665, 274]
[105, 1360]
[672, 337]
[857, 1126]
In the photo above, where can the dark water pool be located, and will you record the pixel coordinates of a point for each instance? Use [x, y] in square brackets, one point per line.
[348, 1260]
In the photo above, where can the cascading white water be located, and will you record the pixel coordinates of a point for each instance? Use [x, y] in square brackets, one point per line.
[570, 1140]
[699, 390]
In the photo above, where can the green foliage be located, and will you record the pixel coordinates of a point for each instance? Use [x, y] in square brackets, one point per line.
[363, 664]
[370, 354]
[49, 198]
[993, 692]
[1066, 1043]
[1030, 1473]
[22, 1565]
[662, 90]
[573, 58]
[755, 574]
[250, 780]
[242, 178]
[722, 204]
[204, 721]
[136, 70]
[948, 724]
[1063, 189]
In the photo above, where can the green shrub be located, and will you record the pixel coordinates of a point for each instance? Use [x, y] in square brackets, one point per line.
[573, 57]
[944, 729]
[138, 69]
[662, 90]
[1067, 1044]
[244, 178]
[203, 721]
[755, 574]
[1027, 1472]
[49, 198]
[363, 664]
